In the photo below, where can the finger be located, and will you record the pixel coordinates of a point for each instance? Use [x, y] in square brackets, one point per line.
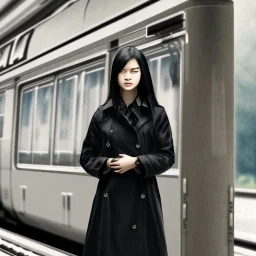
[115, 167]
[122, 155]
[114, 164]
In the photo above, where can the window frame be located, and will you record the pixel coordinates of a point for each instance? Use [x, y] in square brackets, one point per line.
[27, 88]
[101, 59]
[58, 80]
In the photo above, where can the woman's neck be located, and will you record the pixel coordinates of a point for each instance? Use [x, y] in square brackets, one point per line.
[128, 96]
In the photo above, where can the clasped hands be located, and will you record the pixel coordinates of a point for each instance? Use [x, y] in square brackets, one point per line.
[123, 164]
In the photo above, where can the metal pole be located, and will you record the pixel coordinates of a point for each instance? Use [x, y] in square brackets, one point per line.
[207, 175]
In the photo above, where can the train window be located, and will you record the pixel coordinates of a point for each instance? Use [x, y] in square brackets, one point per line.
[164, 64]
[65, 121]
[26, 127]
[153, 71]
[73, 109]
[41, 134]
[93, 88]
[1, 115]
[34, 135]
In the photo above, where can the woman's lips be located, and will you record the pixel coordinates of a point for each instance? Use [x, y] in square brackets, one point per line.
[128, 84]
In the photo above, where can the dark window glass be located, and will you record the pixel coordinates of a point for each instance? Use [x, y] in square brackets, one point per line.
[26, 127]
[41, 131]
[65, 121]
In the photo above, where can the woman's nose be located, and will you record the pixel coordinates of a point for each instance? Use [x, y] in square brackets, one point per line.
[127, 76]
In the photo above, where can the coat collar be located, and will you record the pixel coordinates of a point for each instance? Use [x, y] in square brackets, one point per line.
[143, 118]
[138, 101]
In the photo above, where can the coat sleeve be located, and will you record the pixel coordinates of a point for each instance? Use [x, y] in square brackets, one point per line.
[163, 158]
[91, 162]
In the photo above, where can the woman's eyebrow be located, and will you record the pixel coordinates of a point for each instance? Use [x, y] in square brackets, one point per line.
[133, 68]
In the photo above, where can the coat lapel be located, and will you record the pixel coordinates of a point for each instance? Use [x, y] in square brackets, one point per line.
[144, 117]
[142, 112]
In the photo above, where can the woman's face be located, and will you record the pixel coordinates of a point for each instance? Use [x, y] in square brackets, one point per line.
[129, 77]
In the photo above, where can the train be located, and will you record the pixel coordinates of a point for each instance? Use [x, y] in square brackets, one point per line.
[55, 73]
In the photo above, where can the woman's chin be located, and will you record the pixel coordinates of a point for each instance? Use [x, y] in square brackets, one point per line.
[128, 88]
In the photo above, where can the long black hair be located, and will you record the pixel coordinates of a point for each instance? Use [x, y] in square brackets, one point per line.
[145, 87]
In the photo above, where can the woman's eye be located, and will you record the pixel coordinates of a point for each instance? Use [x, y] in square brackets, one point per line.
[123, 71]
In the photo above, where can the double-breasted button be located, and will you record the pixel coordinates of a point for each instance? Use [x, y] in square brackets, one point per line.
[142, 196]
[105, 194]
[137, 145]
[108, 144]
[111, 130]
[134, 226]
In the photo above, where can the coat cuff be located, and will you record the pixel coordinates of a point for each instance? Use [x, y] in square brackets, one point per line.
[140, 170]
[104, 169]
[94, 166]
[150, 168]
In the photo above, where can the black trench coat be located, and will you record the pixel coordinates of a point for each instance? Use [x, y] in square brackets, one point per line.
[126, 216]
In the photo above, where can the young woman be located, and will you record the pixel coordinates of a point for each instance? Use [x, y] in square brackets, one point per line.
[128, 142]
